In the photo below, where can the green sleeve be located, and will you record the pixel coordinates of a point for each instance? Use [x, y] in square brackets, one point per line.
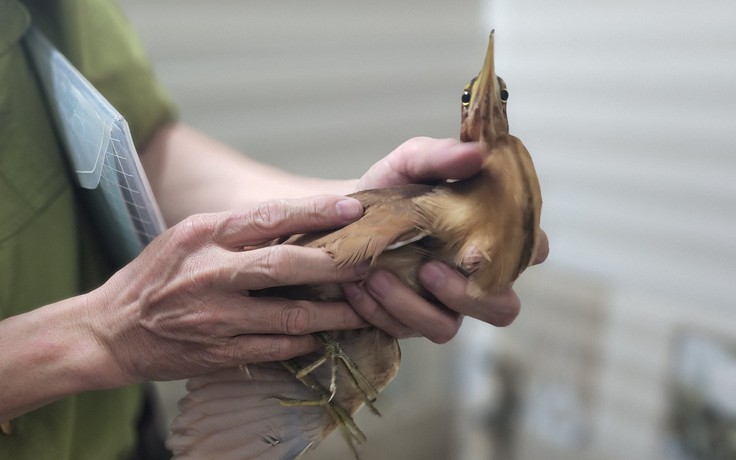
[98, 39]
[48, 249]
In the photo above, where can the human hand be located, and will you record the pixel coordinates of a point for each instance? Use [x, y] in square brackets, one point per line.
[182, 308]
[388, 303]
[423, 160]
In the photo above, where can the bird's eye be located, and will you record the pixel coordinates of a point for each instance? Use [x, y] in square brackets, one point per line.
[466, 98]
[502, 93]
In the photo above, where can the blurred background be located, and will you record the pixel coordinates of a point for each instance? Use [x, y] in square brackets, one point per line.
[626, 344]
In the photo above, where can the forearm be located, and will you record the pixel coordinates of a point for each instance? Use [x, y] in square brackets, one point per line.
[181, 308]
[191, 173]
[47, 354]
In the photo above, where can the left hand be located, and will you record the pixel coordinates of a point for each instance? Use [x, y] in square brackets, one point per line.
[388, 303]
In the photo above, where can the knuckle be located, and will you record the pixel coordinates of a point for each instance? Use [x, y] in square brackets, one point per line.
[193, 231]
[232, 351]
[226, 223]
[216, 358]
[221, 354]
[276, 348]
[295, 318]
[406, 153]
[278, 264]
[314, 211]
[267, 216]
[414, 145]
[280, 348]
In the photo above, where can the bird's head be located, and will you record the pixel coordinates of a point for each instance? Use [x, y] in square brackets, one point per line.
[483, 111]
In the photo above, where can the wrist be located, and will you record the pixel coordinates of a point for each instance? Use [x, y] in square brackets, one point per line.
[69, 346]
[52, 347]
[102, 368]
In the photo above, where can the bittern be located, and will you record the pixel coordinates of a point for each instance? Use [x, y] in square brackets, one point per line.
[487, 226]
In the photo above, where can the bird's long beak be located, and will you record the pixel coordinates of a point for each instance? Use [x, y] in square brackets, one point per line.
[484, 118]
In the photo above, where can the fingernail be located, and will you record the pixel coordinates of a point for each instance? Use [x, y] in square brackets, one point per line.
[379, 284]
[349, 209]
[433, 275]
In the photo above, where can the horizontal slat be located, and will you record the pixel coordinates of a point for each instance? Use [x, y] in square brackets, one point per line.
[628, 109]
[294, 25]
[291, 81]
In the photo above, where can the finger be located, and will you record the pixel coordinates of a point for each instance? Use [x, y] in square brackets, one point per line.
[541, 252]
[451, 289]
[244, 372]
[437, 324]
[371, 311]
[273, 219]
[283, 265]
[272, 315]
[424, 159]
[264, 348]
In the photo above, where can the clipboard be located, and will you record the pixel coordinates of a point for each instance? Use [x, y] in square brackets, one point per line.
[97, 141]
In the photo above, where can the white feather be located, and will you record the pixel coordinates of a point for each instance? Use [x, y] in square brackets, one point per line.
[233, 414]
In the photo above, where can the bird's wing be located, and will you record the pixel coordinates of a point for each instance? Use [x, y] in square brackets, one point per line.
[389, 222]
[233, 414]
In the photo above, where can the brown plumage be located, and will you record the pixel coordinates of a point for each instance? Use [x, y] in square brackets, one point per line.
[487, 226]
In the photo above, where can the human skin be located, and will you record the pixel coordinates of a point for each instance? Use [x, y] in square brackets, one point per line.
[182, 307]
[233, 180]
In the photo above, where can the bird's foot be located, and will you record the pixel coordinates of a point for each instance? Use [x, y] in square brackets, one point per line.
[337, 356]
[350, 431]
[333, 353]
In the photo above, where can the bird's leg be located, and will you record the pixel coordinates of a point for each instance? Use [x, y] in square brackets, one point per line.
[303, 374]
[306, 370]
[352, 434]
[336, 354]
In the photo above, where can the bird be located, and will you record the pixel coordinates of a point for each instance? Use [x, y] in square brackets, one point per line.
[486, 226]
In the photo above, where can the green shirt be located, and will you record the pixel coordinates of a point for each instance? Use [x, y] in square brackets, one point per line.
[48, 250]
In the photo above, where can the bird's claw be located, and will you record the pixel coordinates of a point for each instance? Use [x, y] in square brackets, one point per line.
[337, 358]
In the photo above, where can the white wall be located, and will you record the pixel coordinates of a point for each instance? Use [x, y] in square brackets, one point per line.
[629, 110]
[290, 82]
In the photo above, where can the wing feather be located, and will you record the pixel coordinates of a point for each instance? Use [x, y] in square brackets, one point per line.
[233, 414]
[389, 221]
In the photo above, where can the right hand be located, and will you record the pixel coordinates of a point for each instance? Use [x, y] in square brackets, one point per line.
[182, 308]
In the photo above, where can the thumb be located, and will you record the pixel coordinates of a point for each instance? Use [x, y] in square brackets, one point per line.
[424, 159]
